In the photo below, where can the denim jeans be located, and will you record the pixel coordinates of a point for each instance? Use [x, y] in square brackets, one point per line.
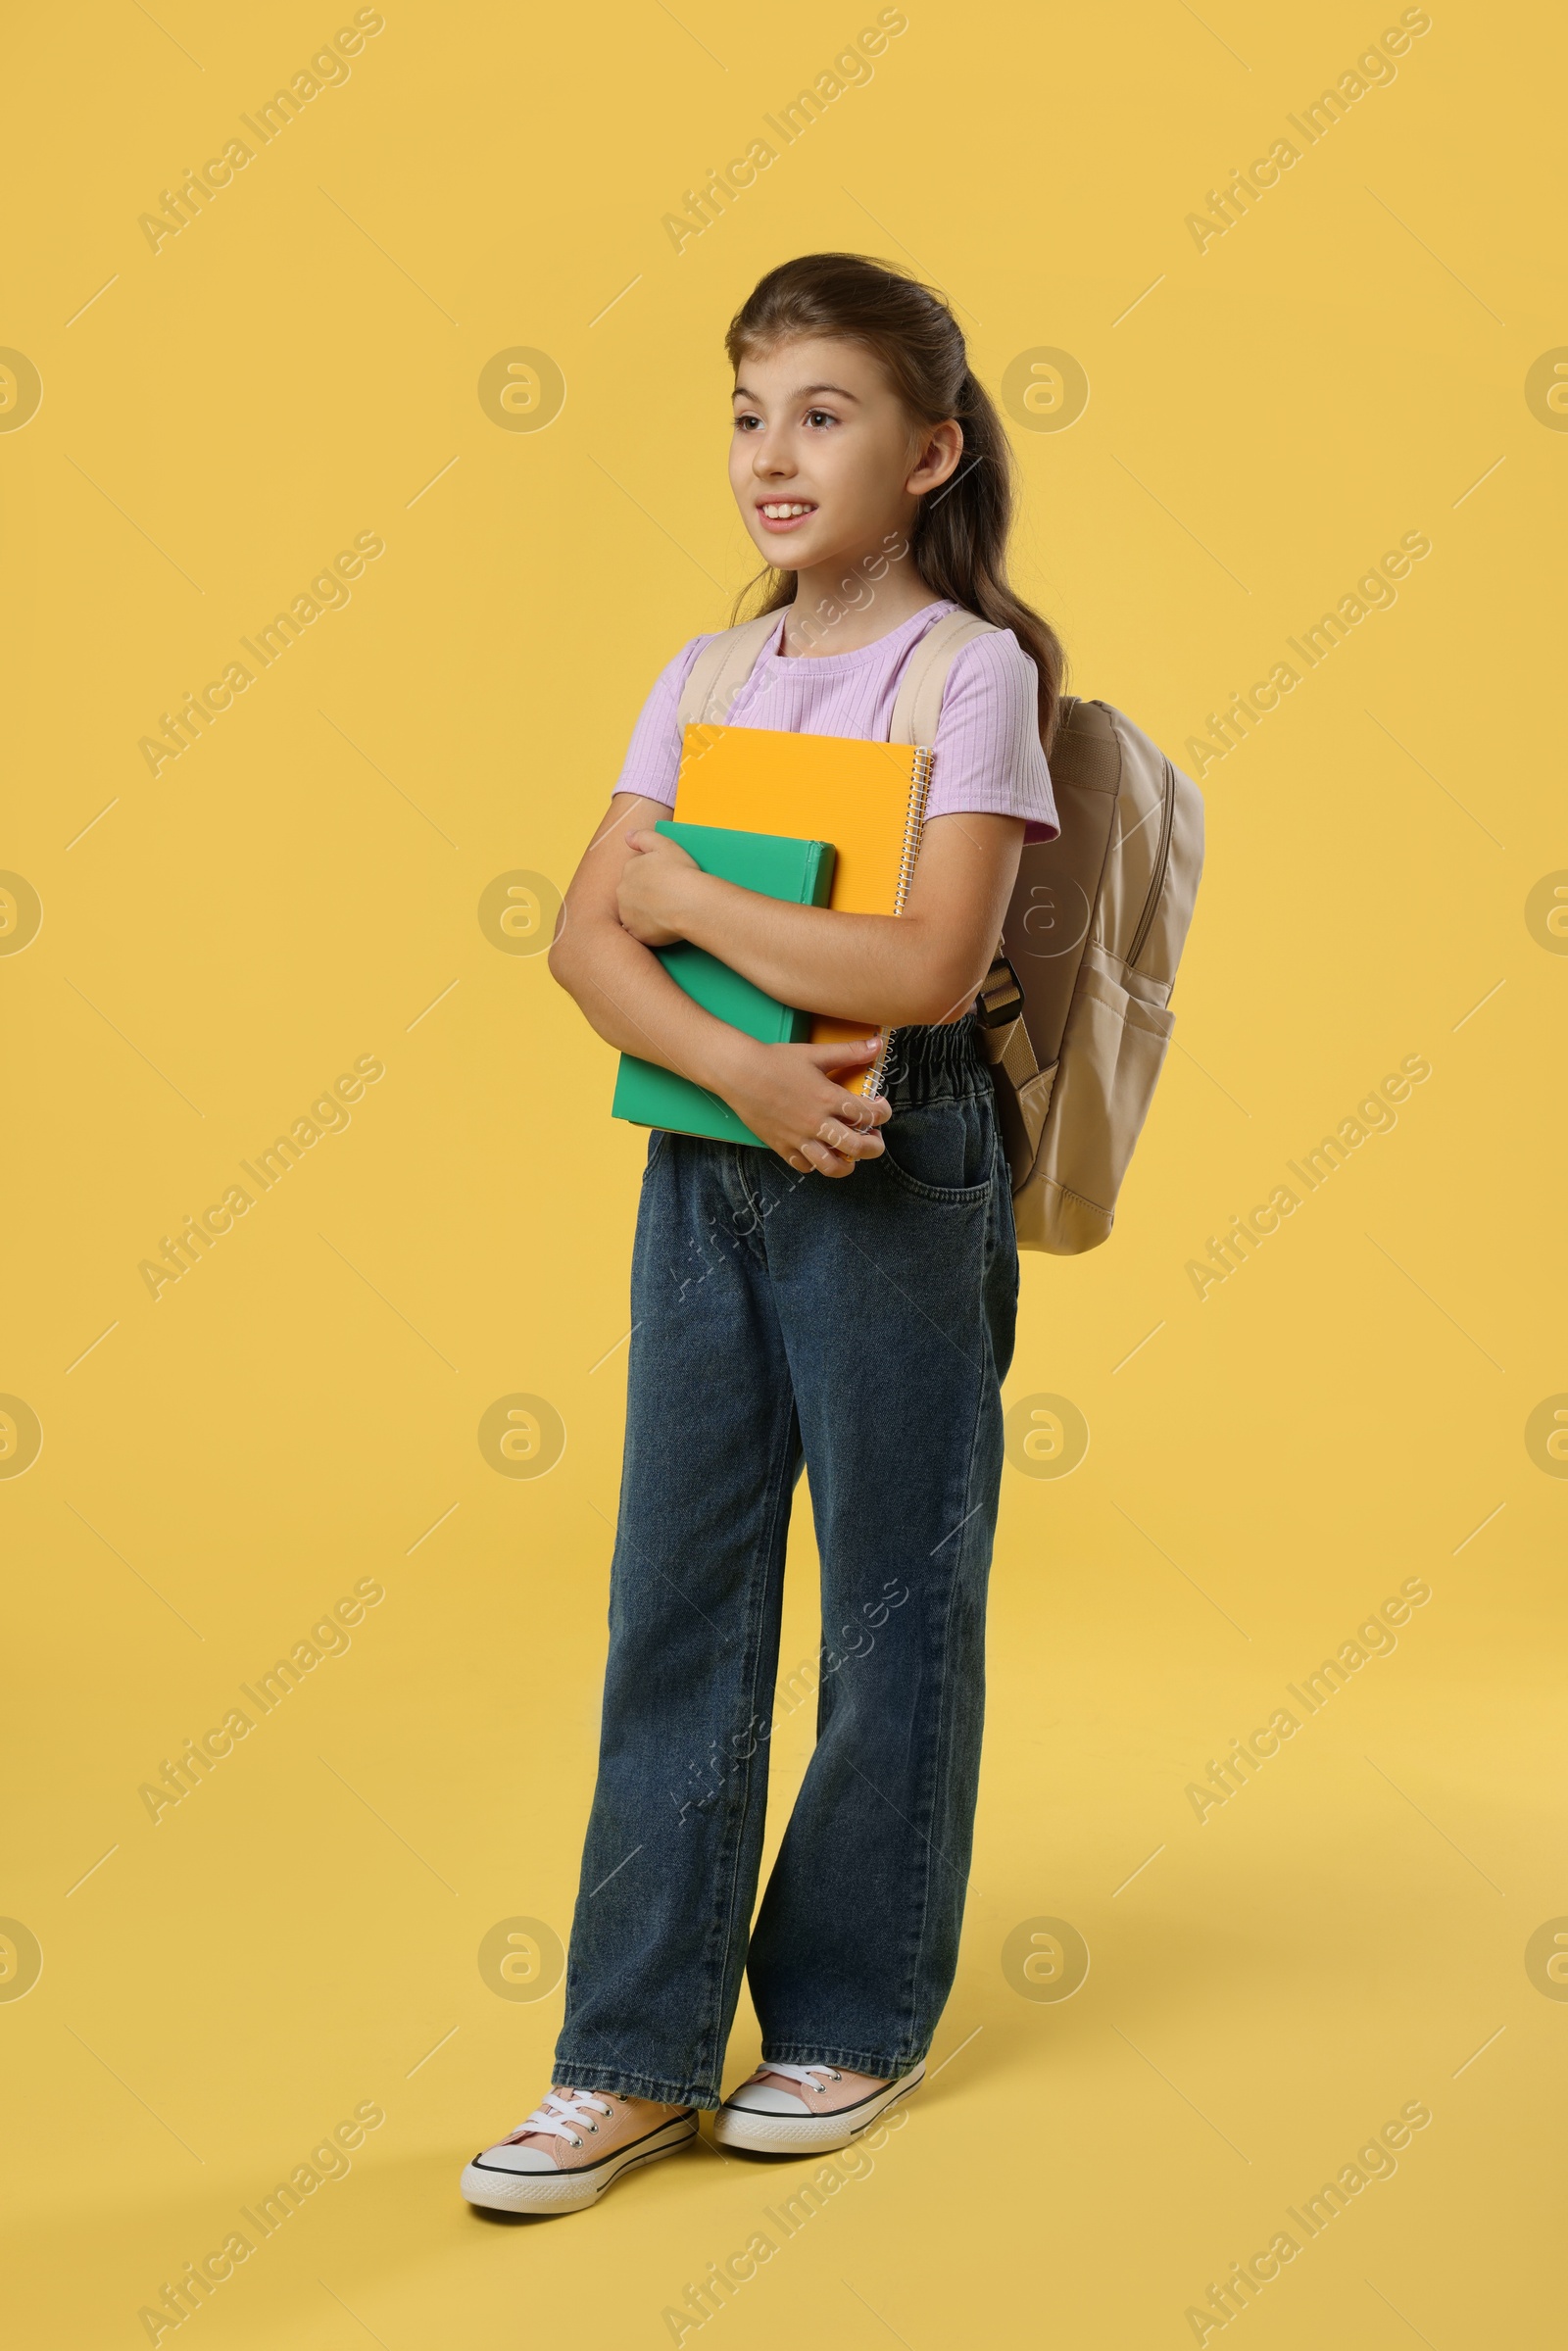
[861, 1328]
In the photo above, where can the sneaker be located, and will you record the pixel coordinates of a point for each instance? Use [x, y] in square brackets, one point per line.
[547, 2165]
[806, 2109]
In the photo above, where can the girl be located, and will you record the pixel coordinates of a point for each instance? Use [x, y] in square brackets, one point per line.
[841, 1301]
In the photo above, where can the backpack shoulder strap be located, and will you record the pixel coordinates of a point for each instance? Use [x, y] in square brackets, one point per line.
[720, 670]
[918, 703]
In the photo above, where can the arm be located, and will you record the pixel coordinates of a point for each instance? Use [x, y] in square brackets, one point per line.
[782, 1092]
[923, 965]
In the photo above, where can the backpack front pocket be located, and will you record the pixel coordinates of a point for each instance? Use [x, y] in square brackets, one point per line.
[1111, 1058]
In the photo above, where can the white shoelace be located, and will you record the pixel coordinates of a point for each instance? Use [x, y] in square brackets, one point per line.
[561, 2117]
[805, 2075]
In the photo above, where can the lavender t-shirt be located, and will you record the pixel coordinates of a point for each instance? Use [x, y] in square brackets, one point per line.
[987, 751]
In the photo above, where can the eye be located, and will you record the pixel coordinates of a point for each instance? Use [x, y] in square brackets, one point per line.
[742, 422]
[825, 415]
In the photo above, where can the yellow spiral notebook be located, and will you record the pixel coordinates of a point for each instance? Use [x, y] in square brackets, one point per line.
[869, 798]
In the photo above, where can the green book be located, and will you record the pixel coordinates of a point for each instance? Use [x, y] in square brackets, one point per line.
[801, 871]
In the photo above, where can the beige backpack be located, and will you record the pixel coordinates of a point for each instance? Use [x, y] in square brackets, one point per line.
[1075, 1010]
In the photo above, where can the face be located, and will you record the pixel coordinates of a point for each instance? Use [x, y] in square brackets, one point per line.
[823, 460]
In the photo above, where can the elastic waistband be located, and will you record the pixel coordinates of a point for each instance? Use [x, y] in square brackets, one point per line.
[935, 1064]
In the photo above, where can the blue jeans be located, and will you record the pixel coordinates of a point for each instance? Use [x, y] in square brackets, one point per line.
[861, 1328]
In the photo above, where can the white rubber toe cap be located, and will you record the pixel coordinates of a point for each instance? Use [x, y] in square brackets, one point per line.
[506, 2158]
[761, 2097]
[769, 2122]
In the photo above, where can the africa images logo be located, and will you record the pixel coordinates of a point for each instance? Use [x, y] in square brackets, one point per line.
[183, 1250]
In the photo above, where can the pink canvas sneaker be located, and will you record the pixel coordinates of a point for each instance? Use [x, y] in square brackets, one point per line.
[806, 2109]
[573, 2147]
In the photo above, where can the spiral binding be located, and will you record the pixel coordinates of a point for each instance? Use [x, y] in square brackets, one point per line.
[913, 827]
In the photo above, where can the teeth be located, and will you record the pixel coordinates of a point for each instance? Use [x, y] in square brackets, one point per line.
[780, 514]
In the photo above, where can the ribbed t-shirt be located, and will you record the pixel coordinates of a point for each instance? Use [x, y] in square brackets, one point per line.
[987, 755]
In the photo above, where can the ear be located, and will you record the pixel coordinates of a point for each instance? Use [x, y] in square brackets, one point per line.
[939, 458]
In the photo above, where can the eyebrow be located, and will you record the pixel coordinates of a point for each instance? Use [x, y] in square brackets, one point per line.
[742, 392]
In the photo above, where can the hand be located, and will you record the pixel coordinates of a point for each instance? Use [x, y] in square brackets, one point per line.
[654, 895]
[785, 1095]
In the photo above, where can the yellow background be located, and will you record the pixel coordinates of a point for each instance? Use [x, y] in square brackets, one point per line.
[218, 419]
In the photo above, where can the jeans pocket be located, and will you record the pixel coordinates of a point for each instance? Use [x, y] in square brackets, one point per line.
[943, 1152]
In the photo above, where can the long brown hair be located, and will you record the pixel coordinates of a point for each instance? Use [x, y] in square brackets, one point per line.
[960, 543]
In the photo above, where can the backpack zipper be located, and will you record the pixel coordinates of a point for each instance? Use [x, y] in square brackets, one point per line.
[1162, 860]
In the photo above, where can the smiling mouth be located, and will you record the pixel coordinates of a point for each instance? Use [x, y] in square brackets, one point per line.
[784, 514]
